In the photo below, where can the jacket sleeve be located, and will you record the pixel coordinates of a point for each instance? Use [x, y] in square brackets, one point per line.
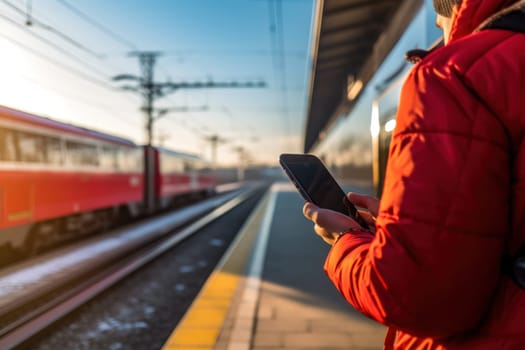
[434, 263]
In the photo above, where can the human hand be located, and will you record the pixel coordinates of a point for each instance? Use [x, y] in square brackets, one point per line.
[328, 224]
[368, 202]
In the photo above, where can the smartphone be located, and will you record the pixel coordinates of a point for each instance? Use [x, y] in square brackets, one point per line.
[315, 183]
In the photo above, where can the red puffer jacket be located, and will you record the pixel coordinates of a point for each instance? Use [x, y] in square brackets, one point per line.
[454, 200]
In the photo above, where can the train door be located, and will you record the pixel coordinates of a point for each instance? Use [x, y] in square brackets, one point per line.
[19, 151]
[18, 200]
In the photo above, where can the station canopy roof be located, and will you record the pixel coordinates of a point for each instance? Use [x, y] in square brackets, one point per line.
[350, 40]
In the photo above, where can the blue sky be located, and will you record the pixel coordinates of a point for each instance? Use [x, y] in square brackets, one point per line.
[222, 40]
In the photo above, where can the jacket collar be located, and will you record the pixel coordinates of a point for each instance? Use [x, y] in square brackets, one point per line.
[472, 13]
[461, 24]
[518, 6]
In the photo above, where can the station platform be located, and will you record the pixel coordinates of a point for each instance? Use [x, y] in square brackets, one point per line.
[269, 291]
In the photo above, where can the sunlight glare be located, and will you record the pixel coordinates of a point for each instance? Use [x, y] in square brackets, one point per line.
[19, 90]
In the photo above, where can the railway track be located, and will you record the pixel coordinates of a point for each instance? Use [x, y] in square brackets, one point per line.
[37, 293]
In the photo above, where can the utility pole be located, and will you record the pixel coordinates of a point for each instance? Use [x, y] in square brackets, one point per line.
[214, 140]
[29, 6]
[146, 86]
[147, 62]
[150, 91]
[242, 159]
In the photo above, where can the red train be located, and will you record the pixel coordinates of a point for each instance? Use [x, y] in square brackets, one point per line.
[58, 180]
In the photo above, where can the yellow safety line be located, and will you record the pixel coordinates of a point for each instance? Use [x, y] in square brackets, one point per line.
[201, 325]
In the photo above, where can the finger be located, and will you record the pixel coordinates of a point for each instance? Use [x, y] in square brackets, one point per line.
[333, 221]
[364, 201]
[320, 230]
[309, 209]
[367, 216]
[327, 236]
[358, 199]
[330, 220]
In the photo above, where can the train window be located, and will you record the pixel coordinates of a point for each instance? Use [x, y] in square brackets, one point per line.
[109, 158]
[123, 159]
[198, 165]
[188, 166]
[138, 155]
[8, 145]
[203, 165]
[138, 159]
[54, 150]
[129, 160]
[82, 154]
[31, 147]
[171, 164]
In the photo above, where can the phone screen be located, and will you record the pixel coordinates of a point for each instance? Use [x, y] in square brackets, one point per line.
[319, 185]
[316, 184]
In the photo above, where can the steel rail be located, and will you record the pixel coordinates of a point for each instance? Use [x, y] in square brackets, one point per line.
[30, 324]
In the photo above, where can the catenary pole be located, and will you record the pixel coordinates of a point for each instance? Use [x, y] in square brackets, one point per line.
[150, 90]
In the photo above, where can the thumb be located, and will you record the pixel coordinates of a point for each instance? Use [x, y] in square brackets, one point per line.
[309, 210]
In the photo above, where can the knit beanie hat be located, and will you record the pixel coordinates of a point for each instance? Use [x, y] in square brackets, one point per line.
[444, 7]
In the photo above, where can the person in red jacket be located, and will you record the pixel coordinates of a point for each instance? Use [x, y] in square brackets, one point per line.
[453, 206]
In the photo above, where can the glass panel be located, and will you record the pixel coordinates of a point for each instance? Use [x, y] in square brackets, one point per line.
[171, 164]
[109, 158]
[188, 165]
[82, 154]
[8, 151]
[54, 151]
[32, 147]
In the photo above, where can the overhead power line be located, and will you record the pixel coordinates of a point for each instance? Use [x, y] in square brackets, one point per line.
[83, 74]
[253, 52]
[279, 59]
[60, 65]
[98, 25]
[32, 19]
[162, 112]
[117, 37]
[282, 60]
[55, 31]
[81, 99]
[56, 47]
[152, 90]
